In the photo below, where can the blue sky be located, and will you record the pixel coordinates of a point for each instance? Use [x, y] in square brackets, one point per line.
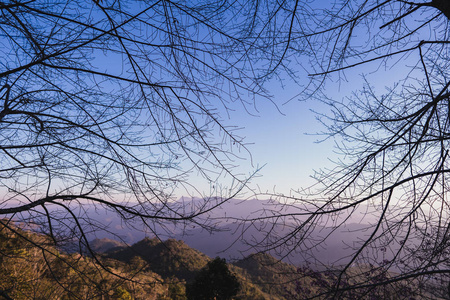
[284, 139]
[281, 138]
[282, 143]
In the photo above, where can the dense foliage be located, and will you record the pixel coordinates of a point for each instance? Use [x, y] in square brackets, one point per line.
[28, 271]
[215, 281]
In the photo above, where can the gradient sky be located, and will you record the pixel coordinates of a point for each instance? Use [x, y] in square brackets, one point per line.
[281, 142]
[284, 140]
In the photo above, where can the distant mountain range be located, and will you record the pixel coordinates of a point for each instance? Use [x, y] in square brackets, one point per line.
[228, 232]
[233, 238]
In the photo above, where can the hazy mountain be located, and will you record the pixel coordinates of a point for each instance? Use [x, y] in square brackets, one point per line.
[233, 239]
[105, 245]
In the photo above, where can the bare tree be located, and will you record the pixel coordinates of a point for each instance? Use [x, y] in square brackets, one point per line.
[394, 139]
[119, 106]
[117, 103]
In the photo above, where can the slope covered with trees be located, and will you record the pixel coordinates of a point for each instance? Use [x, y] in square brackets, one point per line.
[148, 269]
[151, 269]
[28, 270]
[171, 258]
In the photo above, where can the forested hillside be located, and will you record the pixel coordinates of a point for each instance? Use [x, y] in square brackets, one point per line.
[149, 269]
[152, 269]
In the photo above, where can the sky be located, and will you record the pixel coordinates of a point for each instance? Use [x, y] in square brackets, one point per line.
[281, 137]
[284, 138]
[282, 141]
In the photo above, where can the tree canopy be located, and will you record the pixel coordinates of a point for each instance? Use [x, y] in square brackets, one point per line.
[214, 281]
[119, 104]
[391, 130]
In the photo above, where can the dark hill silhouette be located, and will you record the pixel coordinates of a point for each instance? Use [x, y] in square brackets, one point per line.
[174, 259]
[171, 258]
[273, 276]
